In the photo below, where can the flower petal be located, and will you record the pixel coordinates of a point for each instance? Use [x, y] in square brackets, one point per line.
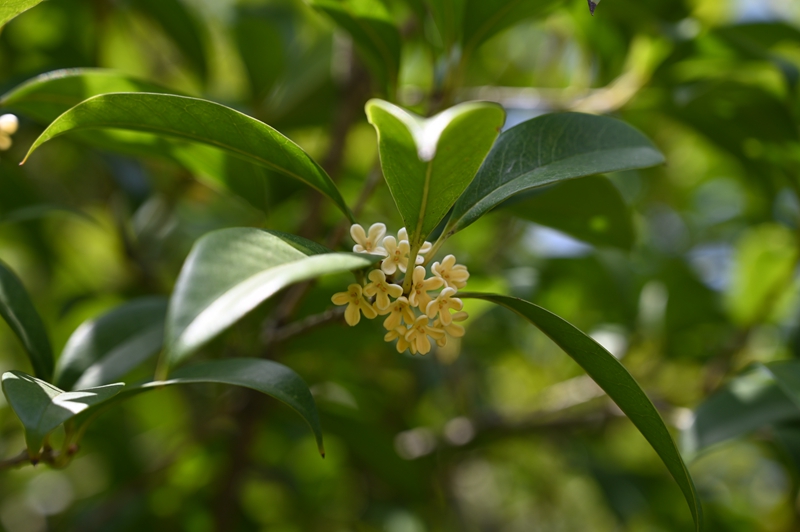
[352, 315]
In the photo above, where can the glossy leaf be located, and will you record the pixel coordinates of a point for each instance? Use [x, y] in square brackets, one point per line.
[428, 163]
[42, 407]
[231, 271]
[615, 380]
[18, 311]
[181, 26]
[104, 349]
[201, 121]
[11, 8]
[374, 33]
[746, 403]
[549, 149]
[590, 209]
[485, 18]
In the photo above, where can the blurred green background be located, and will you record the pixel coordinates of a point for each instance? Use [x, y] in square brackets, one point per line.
[500, 431]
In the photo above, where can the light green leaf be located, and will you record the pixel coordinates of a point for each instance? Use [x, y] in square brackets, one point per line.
[11, 8]
[429, 162]
[231, 271]
[746, 403]
[265, 376]
[104, 349]
[42, 210]
[42, 407]
[374, 33]
[590, 209]
[615, 380]
[484, 18]
[18, 311]
[549, 149]
[200, 121]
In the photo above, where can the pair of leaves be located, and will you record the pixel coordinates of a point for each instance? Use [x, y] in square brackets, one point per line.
[615, 380]
[42, 407]
[428, 163]
[374, 33]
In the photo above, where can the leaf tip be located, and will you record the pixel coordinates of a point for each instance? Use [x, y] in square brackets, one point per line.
[592, 7]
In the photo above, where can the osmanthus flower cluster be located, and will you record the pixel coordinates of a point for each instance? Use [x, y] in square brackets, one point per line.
[429, 310]
[8, 126]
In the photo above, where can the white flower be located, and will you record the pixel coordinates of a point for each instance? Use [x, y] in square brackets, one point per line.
[417, 335]
[399, 311]
[454, 275]
[442, 305]
[381, 290]
[356, 304]
[8, 126]
[397, 255]
[402, 235]
[418, 297]
[368, 242]
[455, 330]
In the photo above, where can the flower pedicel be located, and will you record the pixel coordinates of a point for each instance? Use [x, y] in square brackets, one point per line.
[415, 318]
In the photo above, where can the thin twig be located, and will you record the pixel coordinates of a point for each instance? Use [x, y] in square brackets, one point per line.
[299, 327]
[19, 460]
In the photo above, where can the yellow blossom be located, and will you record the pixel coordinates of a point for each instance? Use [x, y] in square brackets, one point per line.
[454, 275]
[398, 333]
[397, 255]
[418, 297]
[370, 241]
[399, 311]
[442, 305]
[455, 330]
[356, 304]
[8, 126]
[381, 289]
[402, 234]
[417, 335]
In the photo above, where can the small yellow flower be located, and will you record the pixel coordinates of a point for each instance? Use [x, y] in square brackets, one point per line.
[356, 304]
[399, 311]
[370, 241]
[399, 334]
[418, 297]
[417, 335]
[455, 330]
[381, 290]
[402, 234]
[454, 275]
[442, 305]
[397, 255]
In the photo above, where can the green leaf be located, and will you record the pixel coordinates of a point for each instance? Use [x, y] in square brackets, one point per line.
[590, 209]
[746, 403]
[549, 149]
[42, 210]
[448, 15]
[265, 376]
[200, 121]
[374, 33]
[615, 380]
[46, 97]
[11, 8]
[231, 271]
[485, 18]
[181, 26]
[18, 311]
[104, 349]
[42, 407]
[429, 162]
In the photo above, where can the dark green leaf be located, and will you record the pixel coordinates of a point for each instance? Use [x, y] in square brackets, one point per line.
[201, 121]
[374, 33]
[35, 212]
[181, 26]
[104, 349]
[11, 8]
[747, 402]
[449, 17]
[230, 272]
[18, 311]
[549, 149]
[428, 163]
[42, 407]
[615, 380]
[590, 209]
